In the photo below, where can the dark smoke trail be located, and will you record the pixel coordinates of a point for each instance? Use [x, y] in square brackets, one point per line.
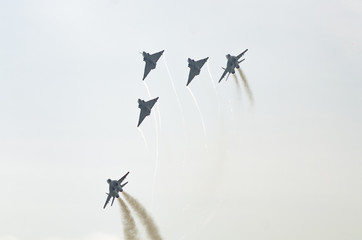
[130, 229]
[237, 85]
[246, 85]
[236, 80]
[146, 219]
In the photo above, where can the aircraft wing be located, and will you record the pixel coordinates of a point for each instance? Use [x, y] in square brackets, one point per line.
[148, 69]
[122, 178]
[156, 56]
[223, 74]
[192, 74]
[151, 103]
[107, 200]
[241, 54]
[201, 62]
[143, 114]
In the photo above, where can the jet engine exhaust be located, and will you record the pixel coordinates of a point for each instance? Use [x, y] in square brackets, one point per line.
[146, 219]
[129, 225]
[246, 85]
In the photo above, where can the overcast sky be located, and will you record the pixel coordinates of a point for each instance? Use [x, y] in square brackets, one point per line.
[286, 167]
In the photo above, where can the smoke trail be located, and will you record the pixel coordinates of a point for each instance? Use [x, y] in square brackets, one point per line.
[146, 219]
[174, 89]
[129, 225]
[156, 165]
[144, 139]
[211, 78]
[236, 80]
[213, 84]
[246, 85]
[157, 107]
[156, 129]
[198, 108]
[237, 85]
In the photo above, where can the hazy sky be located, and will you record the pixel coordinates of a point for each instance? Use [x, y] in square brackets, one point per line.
[287, 167]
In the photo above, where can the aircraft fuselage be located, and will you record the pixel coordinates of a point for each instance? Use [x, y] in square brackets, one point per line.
[147, 58]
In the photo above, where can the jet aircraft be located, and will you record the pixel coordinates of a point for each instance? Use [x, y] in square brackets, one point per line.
[151, 60]
[145, 108]
[195, 67]
[232, 63]
[115, 186]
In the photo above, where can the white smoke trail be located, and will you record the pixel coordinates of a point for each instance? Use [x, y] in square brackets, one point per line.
[174, 89]
[211, 78]
[157, 107]
[198, 108]
[156, 132]
[156, 163]
[129, 225]
[213, 84]
[145, 218]
[144, 139]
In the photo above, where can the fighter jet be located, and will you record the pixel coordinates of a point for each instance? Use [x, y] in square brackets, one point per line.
[145, 108]
[151, 60]
[195, 67]
[114, 188]
[232, 63]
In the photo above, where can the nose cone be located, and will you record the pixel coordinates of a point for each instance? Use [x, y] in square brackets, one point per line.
[189, 60]
[144, 54]
[109, 180]
[139, 101]
[228, 56]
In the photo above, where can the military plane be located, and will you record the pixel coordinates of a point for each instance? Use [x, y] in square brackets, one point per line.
[195, 67]
[145, 108]
[232, 63]
[151, 60]
[115, 186]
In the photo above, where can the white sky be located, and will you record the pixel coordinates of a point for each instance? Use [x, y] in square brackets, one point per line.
[287, 168]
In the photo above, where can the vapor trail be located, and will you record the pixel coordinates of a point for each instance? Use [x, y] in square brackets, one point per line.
[156, 132]
[213, 84]
[157, 107]
[198, 108]
[211, 78]
[174, 89]
[146, 219]
[156, 163]
[144, 139]
[129, 225]
[246, 85]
